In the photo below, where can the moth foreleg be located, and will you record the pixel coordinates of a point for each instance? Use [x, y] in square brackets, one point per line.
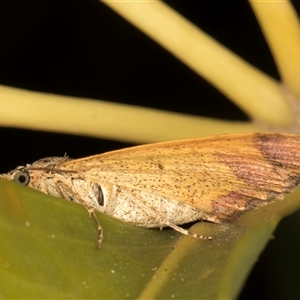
[72, 195]
[99, 227]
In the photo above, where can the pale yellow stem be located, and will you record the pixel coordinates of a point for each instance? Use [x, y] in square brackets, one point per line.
[33, 110]
[256, 93]
[280, 24]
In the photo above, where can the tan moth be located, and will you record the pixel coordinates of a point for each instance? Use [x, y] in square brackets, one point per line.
[171, 183]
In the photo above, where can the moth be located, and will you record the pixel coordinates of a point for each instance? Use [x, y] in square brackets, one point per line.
[171, 183]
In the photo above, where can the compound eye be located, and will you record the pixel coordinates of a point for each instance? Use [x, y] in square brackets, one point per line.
[22, 177]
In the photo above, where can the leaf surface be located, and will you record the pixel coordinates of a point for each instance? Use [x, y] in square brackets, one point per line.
[48, 250]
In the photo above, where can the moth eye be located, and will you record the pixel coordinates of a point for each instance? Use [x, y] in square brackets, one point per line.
[99, 194]
[22, 177]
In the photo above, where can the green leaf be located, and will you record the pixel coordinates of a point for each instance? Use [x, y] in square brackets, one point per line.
[48, 250]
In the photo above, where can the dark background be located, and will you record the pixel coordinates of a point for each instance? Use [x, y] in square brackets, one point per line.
[83, 49]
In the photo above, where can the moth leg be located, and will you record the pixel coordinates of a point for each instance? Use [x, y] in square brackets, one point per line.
[68, 194]
[187, 232]
[91, 212]
[163, 222]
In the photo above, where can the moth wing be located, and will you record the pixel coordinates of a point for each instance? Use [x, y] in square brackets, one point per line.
[221, 176]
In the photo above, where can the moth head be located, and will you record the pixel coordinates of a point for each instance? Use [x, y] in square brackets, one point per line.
[19, 175]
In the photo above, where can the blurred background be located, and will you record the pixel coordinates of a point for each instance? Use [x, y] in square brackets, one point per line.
[84, 49]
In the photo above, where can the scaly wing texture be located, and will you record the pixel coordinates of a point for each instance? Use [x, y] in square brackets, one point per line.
[221, 176]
